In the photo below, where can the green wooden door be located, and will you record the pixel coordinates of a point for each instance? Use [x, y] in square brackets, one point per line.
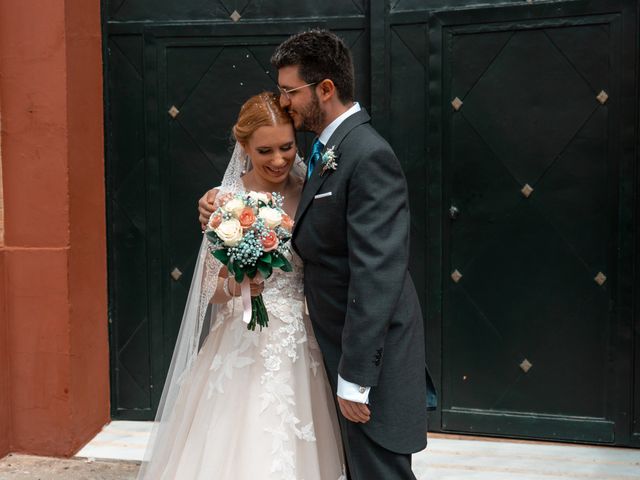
[533, 168]
[527, 76]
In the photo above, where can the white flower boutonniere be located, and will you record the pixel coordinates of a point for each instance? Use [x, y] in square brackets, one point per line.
[329, 160]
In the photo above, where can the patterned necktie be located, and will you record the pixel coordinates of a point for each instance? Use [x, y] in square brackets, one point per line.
[316, 153]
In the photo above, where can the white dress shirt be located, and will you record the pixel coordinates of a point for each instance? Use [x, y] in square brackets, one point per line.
[333, 126]
[347, 390]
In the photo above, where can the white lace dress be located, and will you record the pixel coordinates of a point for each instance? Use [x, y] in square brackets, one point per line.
[256, 405]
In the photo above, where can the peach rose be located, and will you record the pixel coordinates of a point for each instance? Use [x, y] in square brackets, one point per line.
[287, 222]
[215, 220]
[247, 218]
[270, 241]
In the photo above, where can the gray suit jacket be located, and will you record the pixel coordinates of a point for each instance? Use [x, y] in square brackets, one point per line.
[354, 241]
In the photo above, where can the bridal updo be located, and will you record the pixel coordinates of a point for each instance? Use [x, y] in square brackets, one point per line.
[262, 110]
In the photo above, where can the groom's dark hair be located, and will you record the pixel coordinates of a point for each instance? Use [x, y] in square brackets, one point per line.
[320, 54]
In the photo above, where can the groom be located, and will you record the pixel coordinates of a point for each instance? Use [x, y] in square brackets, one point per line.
[352, 231]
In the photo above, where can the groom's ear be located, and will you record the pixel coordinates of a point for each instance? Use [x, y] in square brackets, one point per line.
[326, 90]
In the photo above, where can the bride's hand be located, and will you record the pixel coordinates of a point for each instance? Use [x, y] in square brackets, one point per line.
[256, 288]
[206, 206]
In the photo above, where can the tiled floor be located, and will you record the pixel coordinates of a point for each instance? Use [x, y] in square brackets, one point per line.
[445, 458]
[119, 441]
[456, 459]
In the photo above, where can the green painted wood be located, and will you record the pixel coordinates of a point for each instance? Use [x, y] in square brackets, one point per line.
[528, 76]
[505, 424]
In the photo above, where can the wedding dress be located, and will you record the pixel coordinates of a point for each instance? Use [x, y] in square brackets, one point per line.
[248, 405]
[256, 405]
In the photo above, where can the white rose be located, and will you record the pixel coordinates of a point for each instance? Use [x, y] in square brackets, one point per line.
[272, 217]
[230, 232]
[259, 197]
[234, 207]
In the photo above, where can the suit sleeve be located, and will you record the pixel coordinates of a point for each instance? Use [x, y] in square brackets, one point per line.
[378, 226]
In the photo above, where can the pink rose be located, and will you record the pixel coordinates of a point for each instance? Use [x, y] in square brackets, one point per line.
[287, 222]
[247, 218]
[270, 241]
[215, 221]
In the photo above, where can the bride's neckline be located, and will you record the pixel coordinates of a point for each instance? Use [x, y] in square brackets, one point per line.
[287, 183]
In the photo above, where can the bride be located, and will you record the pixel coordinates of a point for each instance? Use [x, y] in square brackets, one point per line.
[246, 405]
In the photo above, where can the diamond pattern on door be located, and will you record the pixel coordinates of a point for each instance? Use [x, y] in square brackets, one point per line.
[537, 106]
[127, 227]
[222, 10]
[528, 173]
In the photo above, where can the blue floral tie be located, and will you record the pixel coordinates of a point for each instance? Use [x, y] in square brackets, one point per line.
[316, 153]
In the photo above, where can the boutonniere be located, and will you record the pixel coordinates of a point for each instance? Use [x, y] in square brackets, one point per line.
[329, 160]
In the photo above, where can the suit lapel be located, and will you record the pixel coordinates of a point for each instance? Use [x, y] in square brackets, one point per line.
[317, 179]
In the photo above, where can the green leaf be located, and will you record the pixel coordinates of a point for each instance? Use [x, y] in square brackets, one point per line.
[278, 261]
[265, 270]
[266, 259]
[287, 266]
[222, 256]
[213, 238]
[251, 273]
[239, 276]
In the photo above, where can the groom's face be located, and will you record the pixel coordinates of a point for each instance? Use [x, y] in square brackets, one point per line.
[301, 103]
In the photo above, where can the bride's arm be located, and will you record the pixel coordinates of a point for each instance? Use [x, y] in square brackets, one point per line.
[220, 295]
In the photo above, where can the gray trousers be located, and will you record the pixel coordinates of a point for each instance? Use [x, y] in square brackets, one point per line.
[366, 460]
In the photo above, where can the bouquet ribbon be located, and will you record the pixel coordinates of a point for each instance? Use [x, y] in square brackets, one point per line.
[245, 290]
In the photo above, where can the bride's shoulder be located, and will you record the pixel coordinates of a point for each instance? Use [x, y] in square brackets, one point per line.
[294, 186]
[298, 182]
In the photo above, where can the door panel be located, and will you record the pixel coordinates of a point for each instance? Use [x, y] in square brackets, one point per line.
[126, 184]
[530, 261]
[170, 10]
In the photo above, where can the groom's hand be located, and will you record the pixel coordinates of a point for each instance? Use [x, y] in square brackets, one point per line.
[353, 411]
[206, 207]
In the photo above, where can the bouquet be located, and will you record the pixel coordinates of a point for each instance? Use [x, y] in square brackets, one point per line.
[248, 234]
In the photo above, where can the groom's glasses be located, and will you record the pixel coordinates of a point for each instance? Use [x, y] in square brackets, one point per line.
[287, 91]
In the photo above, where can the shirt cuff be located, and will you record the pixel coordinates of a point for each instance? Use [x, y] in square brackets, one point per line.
[352, 392]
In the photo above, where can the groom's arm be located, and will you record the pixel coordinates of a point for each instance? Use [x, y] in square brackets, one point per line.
[378, 241]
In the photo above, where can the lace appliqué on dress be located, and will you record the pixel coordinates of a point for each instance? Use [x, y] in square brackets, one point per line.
[285, 298]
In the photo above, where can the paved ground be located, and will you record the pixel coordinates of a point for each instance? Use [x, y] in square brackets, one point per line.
[447, 458]
[25, 467]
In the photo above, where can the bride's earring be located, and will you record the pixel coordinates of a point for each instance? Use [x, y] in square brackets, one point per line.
[247, 165]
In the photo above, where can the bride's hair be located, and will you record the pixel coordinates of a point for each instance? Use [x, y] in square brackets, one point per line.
[262, 110]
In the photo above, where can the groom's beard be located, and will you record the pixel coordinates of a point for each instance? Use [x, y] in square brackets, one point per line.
[312, 116]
